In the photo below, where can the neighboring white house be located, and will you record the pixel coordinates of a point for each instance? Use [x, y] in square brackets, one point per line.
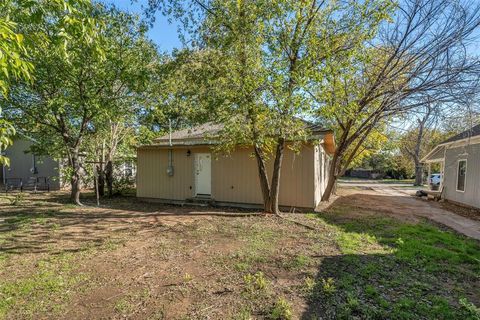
[459, 159]
[26, 167]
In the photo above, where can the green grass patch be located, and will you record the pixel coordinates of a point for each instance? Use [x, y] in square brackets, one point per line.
[393, 269]
[45, 290]
[420, 243]
[300, 261]
[259, 246]
[123, 306]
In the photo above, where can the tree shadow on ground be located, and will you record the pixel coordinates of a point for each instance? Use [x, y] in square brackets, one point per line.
[44, 222]
[390, 268]
[128, 203]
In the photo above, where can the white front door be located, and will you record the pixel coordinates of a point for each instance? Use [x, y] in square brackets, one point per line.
[203, 176]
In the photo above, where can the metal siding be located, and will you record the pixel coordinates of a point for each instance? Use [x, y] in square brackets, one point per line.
[471, 196]
[153, 180]
[297, 185]
[47, 167]
[21, 163]
[234, 176]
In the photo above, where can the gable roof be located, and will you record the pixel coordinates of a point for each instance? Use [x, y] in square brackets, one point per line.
[437, 153]
[475, 131]
[205, 135]
[199, 132]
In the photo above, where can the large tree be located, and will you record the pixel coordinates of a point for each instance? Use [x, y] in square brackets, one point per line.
[91, 79]
[423, 132]
[13, 65]
[432, 123]
[250, 64]
[420, 54]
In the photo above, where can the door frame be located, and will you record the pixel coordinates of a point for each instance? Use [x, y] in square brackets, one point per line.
[196, 177]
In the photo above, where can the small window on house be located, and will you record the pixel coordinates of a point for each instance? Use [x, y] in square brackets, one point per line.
[461, 175]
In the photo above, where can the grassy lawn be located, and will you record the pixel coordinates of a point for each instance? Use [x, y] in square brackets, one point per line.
[391, 269]
[133, 260]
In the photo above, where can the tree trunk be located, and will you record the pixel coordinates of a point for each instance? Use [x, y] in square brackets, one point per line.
[271, 192]
[263, 176]
[418, 173]
[75, 179]
[418, 146]
[109, 177]
[332, 177]
[101, 180]
[277, 169]
[101, 171]
[75, 193]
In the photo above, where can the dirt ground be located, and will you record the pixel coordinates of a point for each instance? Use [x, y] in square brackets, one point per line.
[467, 212]
[129, 259]
[398, 200]
[137, 260]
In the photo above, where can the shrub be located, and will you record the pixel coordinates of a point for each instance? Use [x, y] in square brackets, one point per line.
[282, 310]
[17, 200]
[328, 286]
[122, 185]
[310, 284]
[255, 282]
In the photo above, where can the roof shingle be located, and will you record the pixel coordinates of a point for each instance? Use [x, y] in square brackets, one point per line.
[209, 130]
[474, 131]
[198, 132]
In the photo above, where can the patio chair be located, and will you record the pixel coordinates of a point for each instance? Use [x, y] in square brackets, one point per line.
[43, 184]
[30, 185]
[12, 184]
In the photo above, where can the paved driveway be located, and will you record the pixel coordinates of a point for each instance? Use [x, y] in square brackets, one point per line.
[398, 199]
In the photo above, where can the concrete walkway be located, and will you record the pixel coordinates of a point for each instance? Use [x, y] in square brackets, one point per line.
[399, 200]
[427, 209]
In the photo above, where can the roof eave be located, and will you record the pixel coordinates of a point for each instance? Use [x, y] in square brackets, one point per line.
[318, 135]
[425, 159]
[473, 140]
[184, 143]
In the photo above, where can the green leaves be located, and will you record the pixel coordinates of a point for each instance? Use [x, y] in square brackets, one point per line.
[13, 62]
[13, 65]
[93, 66]
[6, 132]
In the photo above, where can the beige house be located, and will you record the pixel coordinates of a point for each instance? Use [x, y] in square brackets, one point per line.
[182, 167]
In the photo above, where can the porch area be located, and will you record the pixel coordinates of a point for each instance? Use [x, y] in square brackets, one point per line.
[435, 163]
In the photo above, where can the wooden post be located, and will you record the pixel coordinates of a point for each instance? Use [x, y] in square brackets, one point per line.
[442, 168]
[429, 174]
[95, 174]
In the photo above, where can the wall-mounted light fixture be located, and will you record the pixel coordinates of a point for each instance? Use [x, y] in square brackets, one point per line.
[189, 153]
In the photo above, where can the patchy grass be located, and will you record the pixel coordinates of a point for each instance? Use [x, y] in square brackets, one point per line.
[300, 261]
[282, 310]
[42, 290]
[133, 260]
[389, 267]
